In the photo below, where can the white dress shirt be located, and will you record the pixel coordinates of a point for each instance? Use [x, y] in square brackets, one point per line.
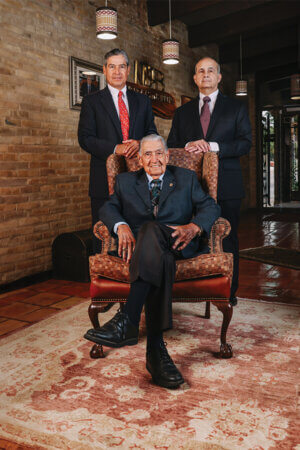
[115, 95]
[214, 146]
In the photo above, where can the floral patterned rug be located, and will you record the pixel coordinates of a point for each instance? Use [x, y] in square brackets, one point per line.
[53, 396]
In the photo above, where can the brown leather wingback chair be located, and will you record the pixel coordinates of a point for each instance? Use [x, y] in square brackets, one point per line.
[205, 278]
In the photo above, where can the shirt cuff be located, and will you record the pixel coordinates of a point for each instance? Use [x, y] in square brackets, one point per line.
[115, 149]
[214, 147]
[116, 225]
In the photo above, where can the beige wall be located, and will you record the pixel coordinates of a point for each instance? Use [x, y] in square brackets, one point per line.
[43, 171]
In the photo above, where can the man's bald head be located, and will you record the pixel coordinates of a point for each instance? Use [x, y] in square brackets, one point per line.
[212, 60]
[207, 75]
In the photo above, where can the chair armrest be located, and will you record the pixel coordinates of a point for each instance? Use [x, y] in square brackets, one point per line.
[219, 231]
[102, 233]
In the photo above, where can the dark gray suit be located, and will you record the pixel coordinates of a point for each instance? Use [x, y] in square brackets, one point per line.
[181, 201]
[99, 131]
[230, 127]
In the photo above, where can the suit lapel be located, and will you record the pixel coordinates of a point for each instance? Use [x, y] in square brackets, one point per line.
[215, 115]
[132, 103]
[142, 188]
[109, 106]
[169, 184]
[195, 117]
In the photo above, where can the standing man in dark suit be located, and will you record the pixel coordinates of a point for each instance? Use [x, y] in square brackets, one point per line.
[112, 120]
[159, 214]
[217, 123]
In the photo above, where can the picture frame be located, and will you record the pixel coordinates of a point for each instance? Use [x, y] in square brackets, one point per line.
[83, 83]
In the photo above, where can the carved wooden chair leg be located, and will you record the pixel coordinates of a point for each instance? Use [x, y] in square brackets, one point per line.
[94, 310]
[122, 304]
[225, 348]
[97, 351]
[207, 310]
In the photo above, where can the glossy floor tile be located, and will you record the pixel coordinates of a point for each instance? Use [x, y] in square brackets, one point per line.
[259, 281]
[265, 281]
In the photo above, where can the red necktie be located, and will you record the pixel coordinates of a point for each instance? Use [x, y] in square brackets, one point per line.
[205, 115]
[124, 118]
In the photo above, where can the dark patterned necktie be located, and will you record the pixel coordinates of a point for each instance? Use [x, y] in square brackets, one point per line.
[205, 115]
[155, 193]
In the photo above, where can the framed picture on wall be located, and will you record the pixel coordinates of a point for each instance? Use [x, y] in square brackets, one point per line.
[85, 77]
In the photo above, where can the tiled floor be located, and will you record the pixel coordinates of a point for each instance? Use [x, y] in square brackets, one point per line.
[265, 281]
[21, 308]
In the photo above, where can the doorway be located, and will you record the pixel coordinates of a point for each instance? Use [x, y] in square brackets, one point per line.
[280, 157]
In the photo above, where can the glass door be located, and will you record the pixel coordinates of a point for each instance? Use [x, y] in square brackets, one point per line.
[290, 157]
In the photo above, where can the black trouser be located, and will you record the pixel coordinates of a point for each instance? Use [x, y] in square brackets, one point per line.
[230, 210]
[96, 204]
[153, 261]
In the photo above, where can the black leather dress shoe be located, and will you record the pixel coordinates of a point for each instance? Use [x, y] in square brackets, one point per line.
[233, 301]
[117, 332]
[162, 368]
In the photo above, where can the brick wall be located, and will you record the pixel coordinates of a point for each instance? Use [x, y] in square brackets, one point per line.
[43, 171]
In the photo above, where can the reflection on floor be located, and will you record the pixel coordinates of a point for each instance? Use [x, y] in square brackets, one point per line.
[23, 307]
[264, 281]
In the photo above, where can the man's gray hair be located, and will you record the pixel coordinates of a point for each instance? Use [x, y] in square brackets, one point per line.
[153, 137]
[115, 52]
[209, 57]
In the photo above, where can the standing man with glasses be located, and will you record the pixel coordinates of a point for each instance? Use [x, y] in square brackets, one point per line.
[112, 120]
[217, 123]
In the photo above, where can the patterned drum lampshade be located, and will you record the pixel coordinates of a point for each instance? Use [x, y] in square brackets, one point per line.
[295, 86]
[241, 88]
[106, 23]
[171, 51]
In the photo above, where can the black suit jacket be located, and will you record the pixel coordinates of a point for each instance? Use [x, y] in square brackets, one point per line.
[181, 201]
[99, 131]
[229, 126]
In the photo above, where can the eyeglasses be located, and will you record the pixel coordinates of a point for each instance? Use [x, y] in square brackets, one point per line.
[158, 154]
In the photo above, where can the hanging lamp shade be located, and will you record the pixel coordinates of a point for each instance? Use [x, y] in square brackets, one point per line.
[295, 86]
[170, 47]
[241, 85]
[171, 51]
[241, 88]
[106, 23]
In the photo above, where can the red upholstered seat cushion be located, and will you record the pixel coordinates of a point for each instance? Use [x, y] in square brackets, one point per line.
[192, 290]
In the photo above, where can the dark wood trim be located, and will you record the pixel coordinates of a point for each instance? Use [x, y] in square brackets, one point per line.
[261, 44]
[251, 20]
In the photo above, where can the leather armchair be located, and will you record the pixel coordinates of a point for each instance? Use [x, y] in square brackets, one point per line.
[205, 278]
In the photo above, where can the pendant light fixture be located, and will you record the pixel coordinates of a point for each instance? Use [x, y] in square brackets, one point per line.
[295, 79]
[106, 22]
[295, 86]
[241, 85]
[170, 46]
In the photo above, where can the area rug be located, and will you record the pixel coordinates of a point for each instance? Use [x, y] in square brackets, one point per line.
[273, 255]
[53, 396]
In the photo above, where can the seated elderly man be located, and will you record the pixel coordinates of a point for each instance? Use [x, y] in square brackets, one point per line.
[159, 213]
